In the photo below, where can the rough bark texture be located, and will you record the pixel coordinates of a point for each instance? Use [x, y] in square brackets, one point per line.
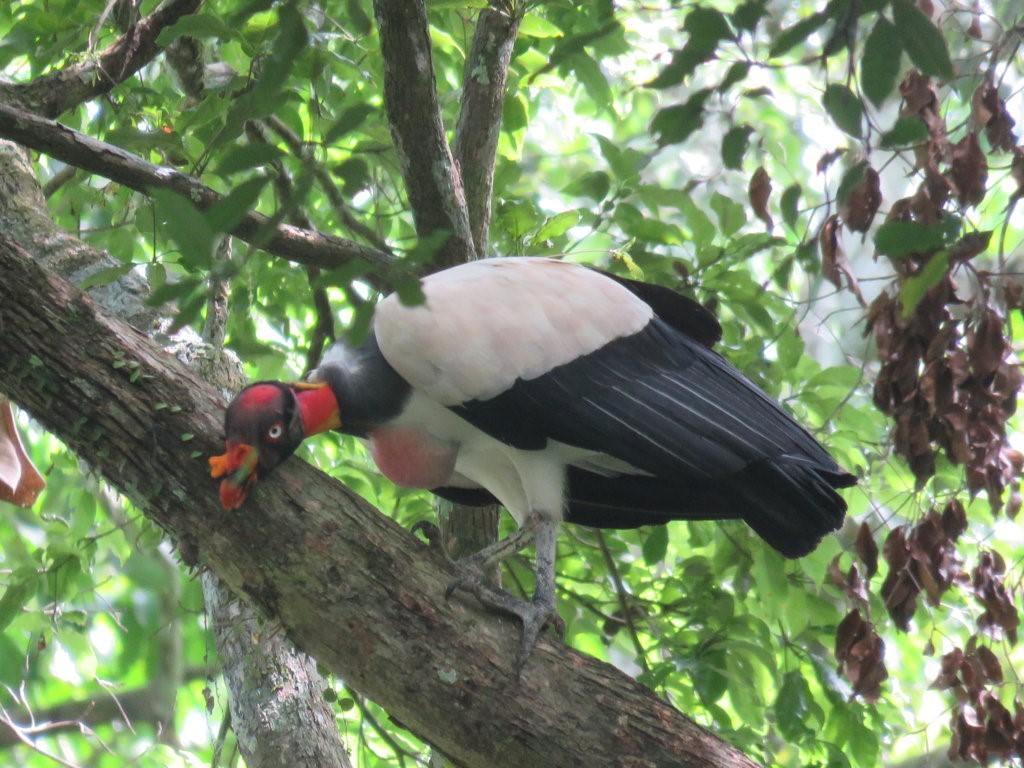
[285, 720]
[97, 74]
[347, 584]
[432, 181]
[292, 243]
[479, 125]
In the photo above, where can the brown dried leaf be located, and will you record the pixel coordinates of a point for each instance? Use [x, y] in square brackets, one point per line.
[867, 549]
[860, 652]
[970, 245]
[990, 665]
[918, 94]
[969, 170]
[986, 345]
[834, 264]
[826, 160]
[759, 190]
[974, 29]
[949, 670]
[861, 204]
[901, 210]
[900, 595]
[1013, 291]
[988, 112]
[954, 520]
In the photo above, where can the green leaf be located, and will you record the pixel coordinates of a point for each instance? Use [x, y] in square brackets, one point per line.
[922, 40]
[797, 34]
[896, 239]
[593, 79]
[709, 677]
[735, 145]
[789, 203]
[916, 286]
[246, 156]
[625, 162]
[731, 215]
[106, 276]
[794, 706]
[226, 213]
[676, 123]
[348, 121]
[702, 229]
[655, 544]
[880, 61]
[16, 595]
[201, 25]
[851, 178]
[186, 226]
[844, 108]
[533, 25]
[357, 17]
[636, 224]
[266, 96]
[557, 225]
[907, 131]
[706, 28]
[593, 184]
[354, 173]
[736, 73]
[748, 14]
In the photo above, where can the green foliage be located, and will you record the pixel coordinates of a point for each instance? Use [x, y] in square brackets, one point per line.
[629, 138]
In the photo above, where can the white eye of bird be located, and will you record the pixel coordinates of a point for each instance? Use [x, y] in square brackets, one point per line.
[275, 432]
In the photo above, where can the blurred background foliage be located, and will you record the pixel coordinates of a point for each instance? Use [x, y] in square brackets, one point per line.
[749, 154]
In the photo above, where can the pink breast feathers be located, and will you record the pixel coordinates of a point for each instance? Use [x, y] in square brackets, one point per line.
[412, 458]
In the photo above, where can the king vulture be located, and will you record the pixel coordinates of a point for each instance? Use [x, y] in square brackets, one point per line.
[562, 392]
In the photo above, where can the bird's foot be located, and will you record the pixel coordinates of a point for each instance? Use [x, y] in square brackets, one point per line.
[534, 614]
[432, 534]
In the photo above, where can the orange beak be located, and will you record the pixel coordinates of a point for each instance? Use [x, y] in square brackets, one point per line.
[238, 468]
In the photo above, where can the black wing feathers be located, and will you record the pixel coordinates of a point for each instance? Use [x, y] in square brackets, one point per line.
[682, 313]
[716, 446]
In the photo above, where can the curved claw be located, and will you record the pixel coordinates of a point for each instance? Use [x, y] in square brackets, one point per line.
[430, 532]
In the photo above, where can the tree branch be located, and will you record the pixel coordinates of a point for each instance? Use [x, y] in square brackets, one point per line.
[288, 242]
[279, 710]
[347, 584]
[56, 92]
[432, 179]
[138, 705]
[479, 125]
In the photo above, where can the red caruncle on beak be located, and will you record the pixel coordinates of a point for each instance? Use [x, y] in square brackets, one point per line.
[238, 468]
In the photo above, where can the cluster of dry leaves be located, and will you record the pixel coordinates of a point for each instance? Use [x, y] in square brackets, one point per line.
[983, 728]
[949, 380]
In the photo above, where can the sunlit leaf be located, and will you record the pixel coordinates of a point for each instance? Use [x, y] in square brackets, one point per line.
[734, 146]
[880, 62]
[922, 40]
[844, 108]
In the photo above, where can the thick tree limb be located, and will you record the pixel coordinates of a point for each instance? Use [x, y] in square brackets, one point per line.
[479, 125]
[77, 149]
[56, 92]
[347, 584]
[432, 179]
[285, 719]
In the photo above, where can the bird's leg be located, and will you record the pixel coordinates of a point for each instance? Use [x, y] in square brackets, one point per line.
[475, 567]
[539, 611]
